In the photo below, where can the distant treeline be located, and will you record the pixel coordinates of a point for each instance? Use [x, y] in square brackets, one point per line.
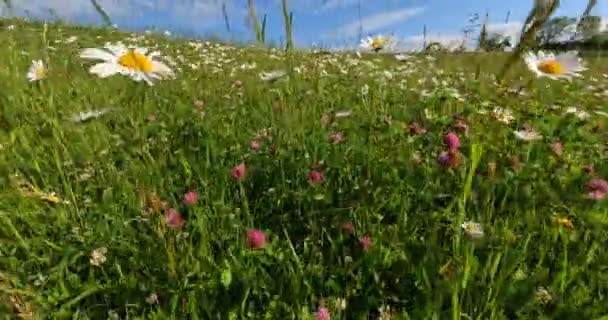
[595, 43]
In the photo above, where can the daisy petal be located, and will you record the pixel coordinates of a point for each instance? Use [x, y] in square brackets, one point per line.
[96, 54]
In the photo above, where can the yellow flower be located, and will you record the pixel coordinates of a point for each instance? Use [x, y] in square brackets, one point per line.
[565, 222]
[50, 197]
[376, 43]
[473, 229]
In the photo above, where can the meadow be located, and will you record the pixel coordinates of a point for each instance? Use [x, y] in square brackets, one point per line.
[350, 186]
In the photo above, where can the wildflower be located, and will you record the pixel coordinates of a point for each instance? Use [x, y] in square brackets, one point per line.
[564, 65]
[135, 63]
[348, 228]
[239, 172]
[578, 112]
[416, 129]
[174, 219]
[602, 113]
[452, 141]
[503, 115]
[528, 135]
[155, 204]
[336, 137]
[272, 75]
[340, 304]
[557, 148]
[564, 222]
[449, 159]
[542, 296]
[37, 71]
[152, 299]
[255, 145]
[343, 113]
[98, 256]
[460, 125]
[190, 198]
[403, 57]
[472, 229]
[71, 39]
[323, 314]
[589, 169]
[315, 177]
[386, 313]
[365, 90]
[50, 197]
[88, 115]
[199, 105]
[375, 44]
[365, 242]
[597, 189]
[256, 239]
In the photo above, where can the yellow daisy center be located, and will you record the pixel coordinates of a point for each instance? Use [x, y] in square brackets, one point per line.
[40, 72]
[136, 61]
[550, 67]
[377, 43]
[472, 228]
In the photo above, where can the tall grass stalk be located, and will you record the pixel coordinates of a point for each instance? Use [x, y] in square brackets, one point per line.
[534, 22]
[257, 26]
[225, 14]
[288, 20]
[104, 15]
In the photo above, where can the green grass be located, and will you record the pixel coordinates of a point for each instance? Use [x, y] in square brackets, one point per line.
[382, 178]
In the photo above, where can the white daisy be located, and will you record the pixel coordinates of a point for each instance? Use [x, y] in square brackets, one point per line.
[134, 62]
[343, 114]
[98, 256]
[88, 115]
[578, 112]
[601, 113]
[272, 75]
[403, 57]
[503, 115]
[376, 43]
[71, 39]
[564, 65]
[528, 135]
[472, 229]
[37, 71]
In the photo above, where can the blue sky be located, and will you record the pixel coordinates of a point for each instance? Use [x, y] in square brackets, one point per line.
[322, 22]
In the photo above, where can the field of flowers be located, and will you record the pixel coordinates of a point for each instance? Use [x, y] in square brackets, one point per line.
[195, 180]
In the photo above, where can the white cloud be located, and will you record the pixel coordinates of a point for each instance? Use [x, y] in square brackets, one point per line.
[69, 9]
[374, 22]
[337, 4]
[190, 12]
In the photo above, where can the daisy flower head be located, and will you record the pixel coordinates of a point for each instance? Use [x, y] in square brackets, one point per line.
[472, 229]
[528, 135]
[134, 62]
[37, 71]
[376, 43]
[561, 66]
